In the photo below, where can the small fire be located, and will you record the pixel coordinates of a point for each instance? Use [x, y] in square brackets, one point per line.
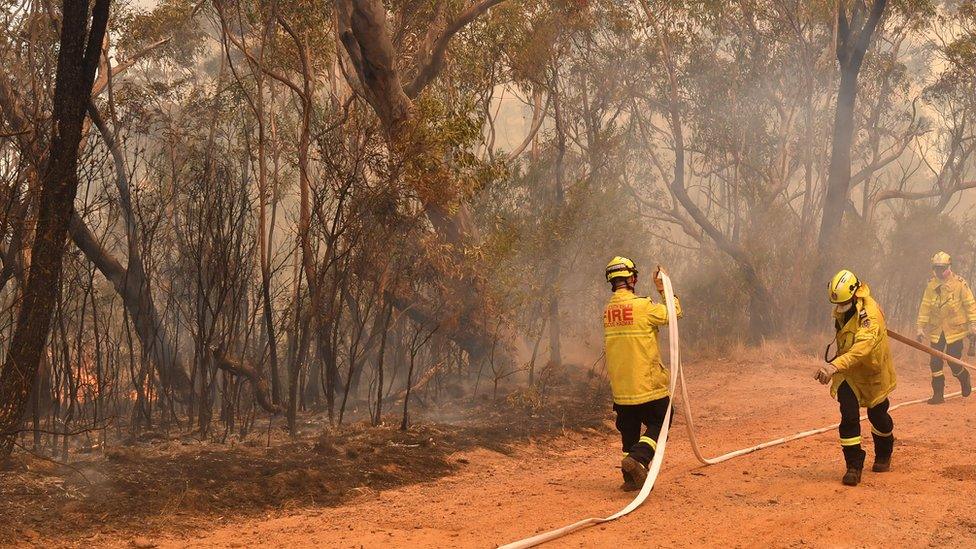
[85, 378]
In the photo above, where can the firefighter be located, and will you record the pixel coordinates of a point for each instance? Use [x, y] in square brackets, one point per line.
[638, 380]
[861, 374]
[946, 316]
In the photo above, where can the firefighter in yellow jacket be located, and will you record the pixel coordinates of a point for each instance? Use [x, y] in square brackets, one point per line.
[637, 378]
[862, 374]
[945, 317]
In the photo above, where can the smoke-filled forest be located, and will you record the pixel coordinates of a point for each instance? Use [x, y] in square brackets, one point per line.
[277, 256]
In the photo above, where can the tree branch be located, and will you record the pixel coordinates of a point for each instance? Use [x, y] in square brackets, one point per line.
[364, 32]
[255, 61]
[433, 63]
[538, 117]
[120, 68]
[237, 368]
[899, 194]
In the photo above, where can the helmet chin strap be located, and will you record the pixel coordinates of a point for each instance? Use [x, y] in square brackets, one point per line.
[844, 307]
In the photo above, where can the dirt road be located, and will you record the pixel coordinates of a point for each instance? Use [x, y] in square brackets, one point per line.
[786, 496]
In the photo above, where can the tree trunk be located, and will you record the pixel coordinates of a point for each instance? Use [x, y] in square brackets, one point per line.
[838, 176]
[77, 63]
[379, 366]
[853, 39]
[559, 207]
[555, 349]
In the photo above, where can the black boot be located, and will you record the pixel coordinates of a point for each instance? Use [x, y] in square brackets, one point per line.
[938, 389]
[883, 447]
[637, 472]
[854, 456]
[629, 485]
[965, 382]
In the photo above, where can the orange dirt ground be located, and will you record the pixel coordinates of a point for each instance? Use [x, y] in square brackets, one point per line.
[787, 496]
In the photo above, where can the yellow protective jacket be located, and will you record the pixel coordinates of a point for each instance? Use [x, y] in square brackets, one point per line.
[863, 356]
[630, 327]
[947, 307]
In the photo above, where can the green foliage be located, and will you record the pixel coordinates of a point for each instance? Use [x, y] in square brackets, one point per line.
[171, 20]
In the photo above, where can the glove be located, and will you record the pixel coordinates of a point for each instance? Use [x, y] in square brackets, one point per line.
[920, 335]
[825, 372]
[972, 329]
[658, 283]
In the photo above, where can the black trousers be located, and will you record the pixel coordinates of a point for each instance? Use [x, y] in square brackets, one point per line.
[631, 418]
[953, 350]
[882, 428]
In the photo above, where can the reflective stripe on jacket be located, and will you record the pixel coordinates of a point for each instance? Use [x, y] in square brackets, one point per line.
[863, 355]
[947, 307]
[630, 327]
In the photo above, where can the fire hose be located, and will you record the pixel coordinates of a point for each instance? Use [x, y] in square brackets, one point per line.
[678, 378]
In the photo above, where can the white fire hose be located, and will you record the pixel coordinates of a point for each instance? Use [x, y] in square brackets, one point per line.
[674, 360]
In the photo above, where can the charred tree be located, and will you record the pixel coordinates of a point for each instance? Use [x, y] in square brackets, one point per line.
[131, 281]
[82, 32]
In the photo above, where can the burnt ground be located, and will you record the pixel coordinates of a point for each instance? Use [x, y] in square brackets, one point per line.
[181, 484]
[785, 496]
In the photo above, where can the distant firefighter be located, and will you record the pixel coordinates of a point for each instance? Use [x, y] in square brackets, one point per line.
[946, 316]
[861, 374]
[637, 378]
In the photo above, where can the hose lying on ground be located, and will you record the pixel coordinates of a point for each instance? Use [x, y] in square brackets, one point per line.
[677, 375]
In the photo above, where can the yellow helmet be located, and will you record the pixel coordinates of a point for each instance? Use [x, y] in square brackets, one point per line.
[843, 286]
[942, 258]
[620, 267]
